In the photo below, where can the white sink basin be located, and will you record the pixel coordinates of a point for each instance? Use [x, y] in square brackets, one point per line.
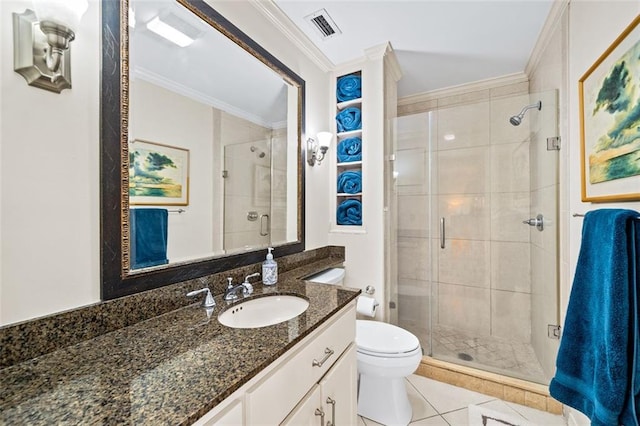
[263, 311]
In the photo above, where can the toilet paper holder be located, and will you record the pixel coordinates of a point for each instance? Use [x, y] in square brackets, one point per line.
[370, 290]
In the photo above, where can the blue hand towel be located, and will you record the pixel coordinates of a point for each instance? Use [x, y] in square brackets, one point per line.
[148, 237]
[350, 149]
[350, 182]
[348, 87]
[597, 363]
[349, 119]
[349, 212]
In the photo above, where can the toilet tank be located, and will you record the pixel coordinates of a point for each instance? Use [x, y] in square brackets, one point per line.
[328, 276]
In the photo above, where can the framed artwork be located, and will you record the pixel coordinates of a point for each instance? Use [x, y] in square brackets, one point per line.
[158, 174]
[610, 121]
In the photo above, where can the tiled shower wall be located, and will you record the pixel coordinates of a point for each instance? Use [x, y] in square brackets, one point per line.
[480, 182]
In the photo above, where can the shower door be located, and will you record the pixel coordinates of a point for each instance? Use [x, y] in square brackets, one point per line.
[247, 195]
[475, 284]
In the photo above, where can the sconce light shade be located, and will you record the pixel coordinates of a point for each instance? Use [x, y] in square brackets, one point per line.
[322, 145]
[41, 42]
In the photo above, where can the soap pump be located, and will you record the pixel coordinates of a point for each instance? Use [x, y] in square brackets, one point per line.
[269, 269]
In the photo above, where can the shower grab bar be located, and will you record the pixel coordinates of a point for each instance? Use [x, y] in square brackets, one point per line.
[442, 225]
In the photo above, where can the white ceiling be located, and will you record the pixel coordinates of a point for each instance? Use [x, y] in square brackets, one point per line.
[438, 43]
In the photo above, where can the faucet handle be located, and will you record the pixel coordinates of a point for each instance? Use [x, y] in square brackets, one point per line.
[208, 301]
[229, 283]
[246, 279]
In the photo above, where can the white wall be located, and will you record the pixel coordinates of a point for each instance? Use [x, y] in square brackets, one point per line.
[49, 169]
[49, 217]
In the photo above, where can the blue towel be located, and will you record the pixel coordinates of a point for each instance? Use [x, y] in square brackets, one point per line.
[597, 364]
[350, 182]
[348, 87]
[148, 237]
[349, 119]
[350, 149]
[349, 212]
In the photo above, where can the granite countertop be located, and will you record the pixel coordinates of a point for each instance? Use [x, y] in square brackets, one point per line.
[171, 369]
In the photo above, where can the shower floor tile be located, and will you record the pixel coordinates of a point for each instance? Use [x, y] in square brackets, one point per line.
[497, 355]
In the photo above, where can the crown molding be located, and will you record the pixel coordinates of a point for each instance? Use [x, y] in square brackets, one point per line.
[280, 20]
[153, 78]
[551, 23]
[490, 83]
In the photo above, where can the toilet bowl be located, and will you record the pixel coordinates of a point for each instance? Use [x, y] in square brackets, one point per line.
[386, 354]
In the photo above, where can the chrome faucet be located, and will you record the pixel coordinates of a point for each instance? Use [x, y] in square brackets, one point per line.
[208, 301]
[231, 292]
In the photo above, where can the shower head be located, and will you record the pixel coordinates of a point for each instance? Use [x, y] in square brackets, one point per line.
[517, 119]
[260, 153]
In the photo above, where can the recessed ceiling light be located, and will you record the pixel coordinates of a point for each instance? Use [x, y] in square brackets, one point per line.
[168, 32]
[449, 137]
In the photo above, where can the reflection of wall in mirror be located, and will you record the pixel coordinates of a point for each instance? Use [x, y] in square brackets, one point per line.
[166, 117]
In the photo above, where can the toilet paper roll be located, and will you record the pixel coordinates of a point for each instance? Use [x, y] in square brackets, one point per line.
[366, 306]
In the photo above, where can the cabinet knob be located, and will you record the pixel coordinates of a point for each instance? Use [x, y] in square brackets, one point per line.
[320, 413]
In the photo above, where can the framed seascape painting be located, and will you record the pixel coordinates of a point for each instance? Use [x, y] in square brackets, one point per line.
[158, 174]
[610, 121]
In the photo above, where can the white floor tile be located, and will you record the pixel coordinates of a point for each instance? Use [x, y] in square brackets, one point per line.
[538, 417]
[502, 407]
[421, 407]
[444, 397]
[457, 418]
[431, 421]
[369, 422]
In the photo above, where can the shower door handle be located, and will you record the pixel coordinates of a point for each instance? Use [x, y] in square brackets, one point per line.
[442, 236]
[262, 222]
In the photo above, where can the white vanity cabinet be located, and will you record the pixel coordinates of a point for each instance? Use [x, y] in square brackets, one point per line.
[333, 400]
[320, 368]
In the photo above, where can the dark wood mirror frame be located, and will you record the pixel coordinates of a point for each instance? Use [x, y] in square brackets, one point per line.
[116, 279]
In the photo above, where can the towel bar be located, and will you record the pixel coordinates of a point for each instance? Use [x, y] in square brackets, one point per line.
[582, 215]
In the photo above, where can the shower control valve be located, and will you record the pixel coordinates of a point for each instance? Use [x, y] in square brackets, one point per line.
[537, 221]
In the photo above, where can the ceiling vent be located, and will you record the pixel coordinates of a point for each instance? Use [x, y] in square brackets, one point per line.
[323, 23]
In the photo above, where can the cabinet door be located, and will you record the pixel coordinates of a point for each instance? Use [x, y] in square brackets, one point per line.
[339, 390]
[230, 415]
[308, 411]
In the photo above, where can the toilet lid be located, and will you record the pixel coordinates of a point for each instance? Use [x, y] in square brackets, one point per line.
[383, 338]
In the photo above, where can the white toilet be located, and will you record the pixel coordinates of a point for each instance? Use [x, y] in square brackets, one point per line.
[386, 355]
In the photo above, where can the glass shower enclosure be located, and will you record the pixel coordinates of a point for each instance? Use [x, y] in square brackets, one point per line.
[469, 277]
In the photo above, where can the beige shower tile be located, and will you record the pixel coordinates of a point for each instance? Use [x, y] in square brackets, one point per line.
[464, 171]
[465, 308]
[412, 131]
[413, 258]
[511, 315]
[508, 210]
[511, 266]
[413, 216]
[510, 167]
[466, 216]
[463, 126]
[465, 262]
[521, 88]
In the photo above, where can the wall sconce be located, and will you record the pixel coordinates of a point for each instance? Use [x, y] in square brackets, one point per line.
[322, 145]
[40, 40]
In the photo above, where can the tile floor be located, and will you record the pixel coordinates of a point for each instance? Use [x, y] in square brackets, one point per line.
[440, 404]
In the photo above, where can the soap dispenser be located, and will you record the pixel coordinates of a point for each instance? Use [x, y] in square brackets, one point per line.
[269, 270]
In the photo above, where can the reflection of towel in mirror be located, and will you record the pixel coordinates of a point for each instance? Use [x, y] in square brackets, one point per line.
[350, 182]
[598, 362]
[148, 237]
[348, 87]
[349, 212]
[350, 149]
[349, 119]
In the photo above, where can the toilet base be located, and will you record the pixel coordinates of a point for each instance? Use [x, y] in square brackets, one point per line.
[384, 400]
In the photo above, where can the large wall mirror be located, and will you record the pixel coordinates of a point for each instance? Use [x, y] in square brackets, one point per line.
[201, 154]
